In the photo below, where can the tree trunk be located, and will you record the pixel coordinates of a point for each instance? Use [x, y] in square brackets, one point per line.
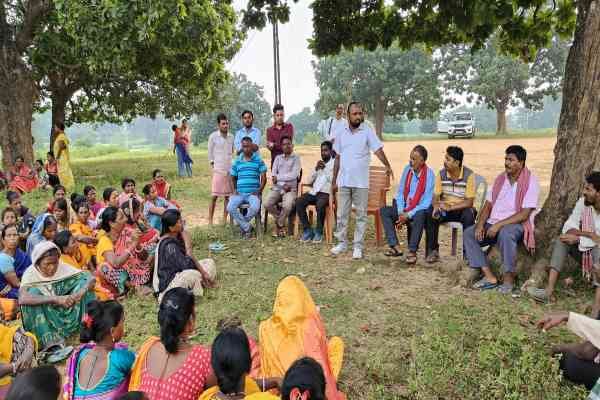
[379, 116]
[59, 107]
[501, 121]
[577, 150]
[17, 94]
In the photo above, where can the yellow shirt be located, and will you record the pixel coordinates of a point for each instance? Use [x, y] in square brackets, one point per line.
[104, 245]
[455, 191]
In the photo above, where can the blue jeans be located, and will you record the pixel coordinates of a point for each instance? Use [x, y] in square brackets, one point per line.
[233, 208]
[183, 168]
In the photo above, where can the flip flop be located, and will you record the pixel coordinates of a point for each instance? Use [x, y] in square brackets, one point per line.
[58, 355]
[217, 247]
[483, 284]
[393, 253]
[411, 259]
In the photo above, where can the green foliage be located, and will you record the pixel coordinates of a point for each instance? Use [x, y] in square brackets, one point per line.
[128, 58]
[499, 81]
[304, 122]
[463, 353]
[236, 96]
[547, 117]
[391, 82]
[525, 26]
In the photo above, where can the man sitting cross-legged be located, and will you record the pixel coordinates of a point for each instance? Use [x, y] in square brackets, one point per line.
[411, 205]
[580, 238]
[452, 199]
[249, 177]
[320, 179]
[505, 219]
[285, 172]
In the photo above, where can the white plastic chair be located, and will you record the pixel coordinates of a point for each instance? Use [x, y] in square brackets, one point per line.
[481, 188]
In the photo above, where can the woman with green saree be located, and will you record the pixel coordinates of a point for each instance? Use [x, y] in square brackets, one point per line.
[53, 297]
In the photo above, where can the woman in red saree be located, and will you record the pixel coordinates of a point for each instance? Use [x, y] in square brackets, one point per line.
[163, 188]
[22, 178]
[122, 259]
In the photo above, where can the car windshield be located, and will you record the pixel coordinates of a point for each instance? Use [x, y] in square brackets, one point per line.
[462, 117]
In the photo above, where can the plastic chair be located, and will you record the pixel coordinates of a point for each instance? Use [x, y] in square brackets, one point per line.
[379, 185]
[481, 188]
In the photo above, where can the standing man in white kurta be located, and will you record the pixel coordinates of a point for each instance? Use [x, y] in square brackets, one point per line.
[353, 147]
[220, 154]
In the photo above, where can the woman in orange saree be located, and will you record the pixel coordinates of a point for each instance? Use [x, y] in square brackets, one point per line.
[295, 330]
[22, 178]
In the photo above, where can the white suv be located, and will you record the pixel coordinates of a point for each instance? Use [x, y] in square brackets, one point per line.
[462, 125]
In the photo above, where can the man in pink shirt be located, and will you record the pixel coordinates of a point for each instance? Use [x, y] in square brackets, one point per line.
[505, 219]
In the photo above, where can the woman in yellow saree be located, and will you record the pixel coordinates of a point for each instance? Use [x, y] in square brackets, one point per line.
[295, 330]
[61, 152]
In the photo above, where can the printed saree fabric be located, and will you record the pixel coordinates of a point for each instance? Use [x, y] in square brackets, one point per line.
[296, 330]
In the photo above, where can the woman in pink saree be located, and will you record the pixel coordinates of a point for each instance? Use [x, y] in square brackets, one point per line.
[22, 178]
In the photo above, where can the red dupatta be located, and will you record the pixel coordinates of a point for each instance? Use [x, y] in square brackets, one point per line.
[414, 201]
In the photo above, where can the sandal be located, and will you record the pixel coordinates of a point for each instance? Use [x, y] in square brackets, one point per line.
[393, 252]
[484, 284]
[411, 259]
[57, 353]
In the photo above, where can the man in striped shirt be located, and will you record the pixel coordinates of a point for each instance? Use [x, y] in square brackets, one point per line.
[249, 177]
[453, 197]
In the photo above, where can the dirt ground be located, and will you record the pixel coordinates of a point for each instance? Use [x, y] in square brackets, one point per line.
[484, 156]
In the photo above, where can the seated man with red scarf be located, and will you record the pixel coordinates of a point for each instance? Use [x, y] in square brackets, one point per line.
[411, 205]
[505, 219]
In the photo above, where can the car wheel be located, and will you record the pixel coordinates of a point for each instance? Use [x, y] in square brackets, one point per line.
[450, 137]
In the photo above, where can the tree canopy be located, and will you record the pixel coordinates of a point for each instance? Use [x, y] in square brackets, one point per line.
[489, 77]
[392, 82]
[111, 60]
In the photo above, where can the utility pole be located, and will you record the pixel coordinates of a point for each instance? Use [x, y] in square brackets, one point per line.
[276, 64]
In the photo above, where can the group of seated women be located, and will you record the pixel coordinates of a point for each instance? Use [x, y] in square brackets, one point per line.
[293, 359]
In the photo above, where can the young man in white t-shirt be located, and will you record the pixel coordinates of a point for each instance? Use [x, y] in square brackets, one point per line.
[353, 147]
[330, 127]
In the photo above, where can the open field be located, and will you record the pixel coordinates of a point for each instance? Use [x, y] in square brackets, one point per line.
[410, 333]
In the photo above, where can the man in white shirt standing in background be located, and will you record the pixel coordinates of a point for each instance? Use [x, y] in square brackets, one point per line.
[353, 147]
[330, 127]
[220, 153]
[320, 179]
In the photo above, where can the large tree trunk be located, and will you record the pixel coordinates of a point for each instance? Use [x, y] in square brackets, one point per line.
[501, 121]
[577, 150]
[379, 116]
[17, 94]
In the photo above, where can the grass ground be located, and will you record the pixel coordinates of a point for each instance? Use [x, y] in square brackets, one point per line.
[410, 333]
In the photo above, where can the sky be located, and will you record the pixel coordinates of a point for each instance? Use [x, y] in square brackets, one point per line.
[255, 59]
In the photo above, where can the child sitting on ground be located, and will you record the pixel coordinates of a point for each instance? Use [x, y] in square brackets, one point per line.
[51, 167]
[42, 175]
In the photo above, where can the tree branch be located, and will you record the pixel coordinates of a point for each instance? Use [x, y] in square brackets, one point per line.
[32, 16]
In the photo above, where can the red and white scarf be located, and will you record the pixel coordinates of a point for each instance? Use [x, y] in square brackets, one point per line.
[410, 203]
